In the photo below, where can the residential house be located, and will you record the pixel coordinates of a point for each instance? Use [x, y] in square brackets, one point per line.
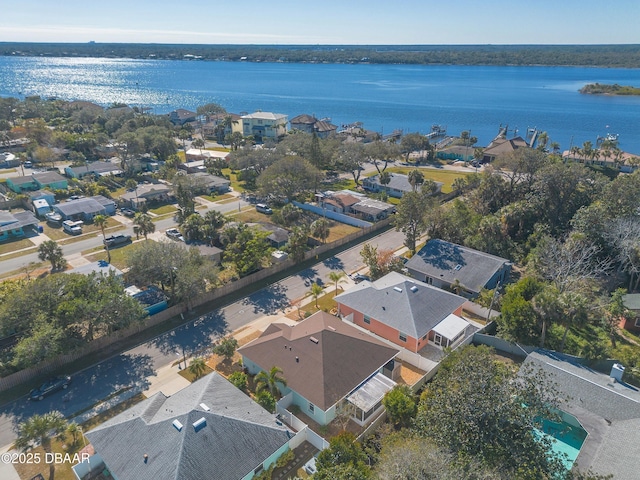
[447, 265]
[197, 156]
[397, 186]
[310, 124]
[406, 312]
[624, 161]
[600, 409]
[95, 169]
[12, 225]
[212, 183]
[85, 208]
[501, 146]
[372, 210]
[631, 322]
[182, 116]
[146, 192]
[8, 160]
[218, 126]
[209, 430]
[278, 237]
[456, 152]
[325, 362]
[46, 195]
[40, 207]
[51, 180]
[22, 184]
[101, 267]
[263, 125]
[209, 251]
[340, 202]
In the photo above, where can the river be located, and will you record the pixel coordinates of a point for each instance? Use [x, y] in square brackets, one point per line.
[383, 97]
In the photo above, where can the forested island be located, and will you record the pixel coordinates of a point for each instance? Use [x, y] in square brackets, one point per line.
[618, 56]
[604, 89]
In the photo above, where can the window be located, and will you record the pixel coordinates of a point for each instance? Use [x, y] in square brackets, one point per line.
[637, 324]
[403, 337]
[367, 319]
[311, 407]
[258, 470]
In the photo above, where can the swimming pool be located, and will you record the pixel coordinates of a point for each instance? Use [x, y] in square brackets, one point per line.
[566, 436]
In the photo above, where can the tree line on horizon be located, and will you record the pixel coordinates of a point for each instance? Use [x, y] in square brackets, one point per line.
[618, 56]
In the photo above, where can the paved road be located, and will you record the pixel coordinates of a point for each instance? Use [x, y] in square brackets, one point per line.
[135, 367]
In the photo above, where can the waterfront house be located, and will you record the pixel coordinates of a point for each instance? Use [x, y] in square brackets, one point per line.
[325, 362]
[12, 225]
[220, 125]
[397, 186]
[447, 265]
[409, 313]
[501, 146]
[182, 116]
[209, 430]
[263, 125]
[456, 152]
[310, 124]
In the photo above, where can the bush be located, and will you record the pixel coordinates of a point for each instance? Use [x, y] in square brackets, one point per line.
[266, 400]
[239, 380]
[285, 458]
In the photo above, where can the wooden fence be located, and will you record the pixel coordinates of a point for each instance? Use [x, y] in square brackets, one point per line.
[50, 365]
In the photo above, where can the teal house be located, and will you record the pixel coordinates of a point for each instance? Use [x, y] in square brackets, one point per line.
[12, 225]
[37, 181]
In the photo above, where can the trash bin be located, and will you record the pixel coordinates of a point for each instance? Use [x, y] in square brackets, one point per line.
[40, 229]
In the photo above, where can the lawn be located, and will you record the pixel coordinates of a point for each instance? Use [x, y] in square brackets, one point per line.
[186, 373]
[217, 198]
[12, 246]
[163, 210]
[235, 183]
[249, 215]
[447, 177]
[63, 470]
[118, 255]
[339, 230]
[325, 303]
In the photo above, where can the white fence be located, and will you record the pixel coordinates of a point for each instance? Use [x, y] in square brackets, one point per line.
[340, 217]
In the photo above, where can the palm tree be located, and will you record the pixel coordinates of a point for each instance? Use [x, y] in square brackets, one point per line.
[415, 178]
[270, 380]
[41, 429]
[101, 221]
[143, 225]
[199, 144]
[73, 429]
[336, 277]
[316, 291]
[197, 367]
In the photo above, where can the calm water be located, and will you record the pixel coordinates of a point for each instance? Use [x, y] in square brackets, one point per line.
[383, 97]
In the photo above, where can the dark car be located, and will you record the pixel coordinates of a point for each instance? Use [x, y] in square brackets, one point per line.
[358, 277]
[116, 240]
[127, 212]
[49, 387]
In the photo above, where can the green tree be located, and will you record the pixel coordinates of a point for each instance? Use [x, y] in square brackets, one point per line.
[211, 109]
[614, 312]
[101, 222]
[266, 400]
[197, 367]
[270, 380]
[400, 405]
[143, 224]
[316, 291]
[336, 277]
[384, 179]
[320, 229]
[239, 380]
[40, 429]
[51, 251]
[245, 247]
[410, 218]
[45, 340]
[476, 409]
[344, 452]
[288, 178]
[413, 142]
[297, 243]
[192, 228]
[226, 348]
[415, 178]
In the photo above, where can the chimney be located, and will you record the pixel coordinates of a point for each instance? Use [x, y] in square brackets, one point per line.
[146, 458]
[616, 372]
[297, 360]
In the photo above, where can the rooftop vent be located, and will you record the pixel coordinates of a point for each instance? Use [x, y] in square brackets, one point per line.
[297, 360]
[331, 328]
[314, 340]
[397, 289]
[458, 267]
[205, 407]
[199, 424]
[414, 289]
[177, 425]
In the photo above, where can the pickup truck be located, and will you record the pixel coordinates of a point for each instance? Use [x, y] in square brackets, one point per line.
[116, 240]
[74, 228]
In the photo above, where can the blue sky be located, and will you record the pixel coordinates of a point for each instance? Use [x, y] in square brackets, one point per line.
[322, 22]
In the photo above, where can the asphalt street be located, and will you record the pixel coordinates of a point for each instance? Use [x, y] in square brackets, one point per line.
[135, 367]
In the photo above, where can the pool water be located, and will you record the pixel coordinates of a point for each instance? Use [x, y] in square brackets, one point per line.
[567, 437]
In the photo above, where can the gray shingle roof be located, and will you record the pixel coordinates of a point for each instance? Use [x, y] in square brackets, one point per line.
[89, 205]
[48, 177]
[237, 437]
[392, 301]
[326, 371]
[17, 220]
[448, 262]
[608, 411]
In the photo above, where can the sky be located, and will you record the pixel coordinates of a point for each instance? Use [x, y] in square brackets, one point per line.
[358, 22]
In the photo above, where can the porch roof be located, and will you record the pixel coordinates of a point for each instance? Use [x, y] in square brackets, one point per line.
[451, 326]
[367, 395]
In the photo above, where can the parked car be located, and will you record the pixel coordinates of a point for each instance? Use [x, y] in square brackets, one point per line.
[116, 240]
[358, 277]
[263, 208]
[127, 212]
[174, 234]
[49, 387]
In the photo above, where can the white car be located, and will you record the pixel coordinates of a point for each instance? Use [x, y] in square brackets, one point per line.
[174, 234]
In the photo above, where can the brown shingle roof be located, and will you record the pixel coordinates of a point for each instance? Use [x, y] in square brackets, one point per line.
[326, 371]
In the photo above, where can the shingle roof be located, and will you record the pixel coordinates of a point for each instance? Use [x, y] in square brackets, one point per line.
[609, 411]
[304, 118]
[329, 367]
[17, 220]
[450, 262]
[631, 301]
[81, 206]
[48, 177]
[238, 435]
[407, 305]
[22, 180]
